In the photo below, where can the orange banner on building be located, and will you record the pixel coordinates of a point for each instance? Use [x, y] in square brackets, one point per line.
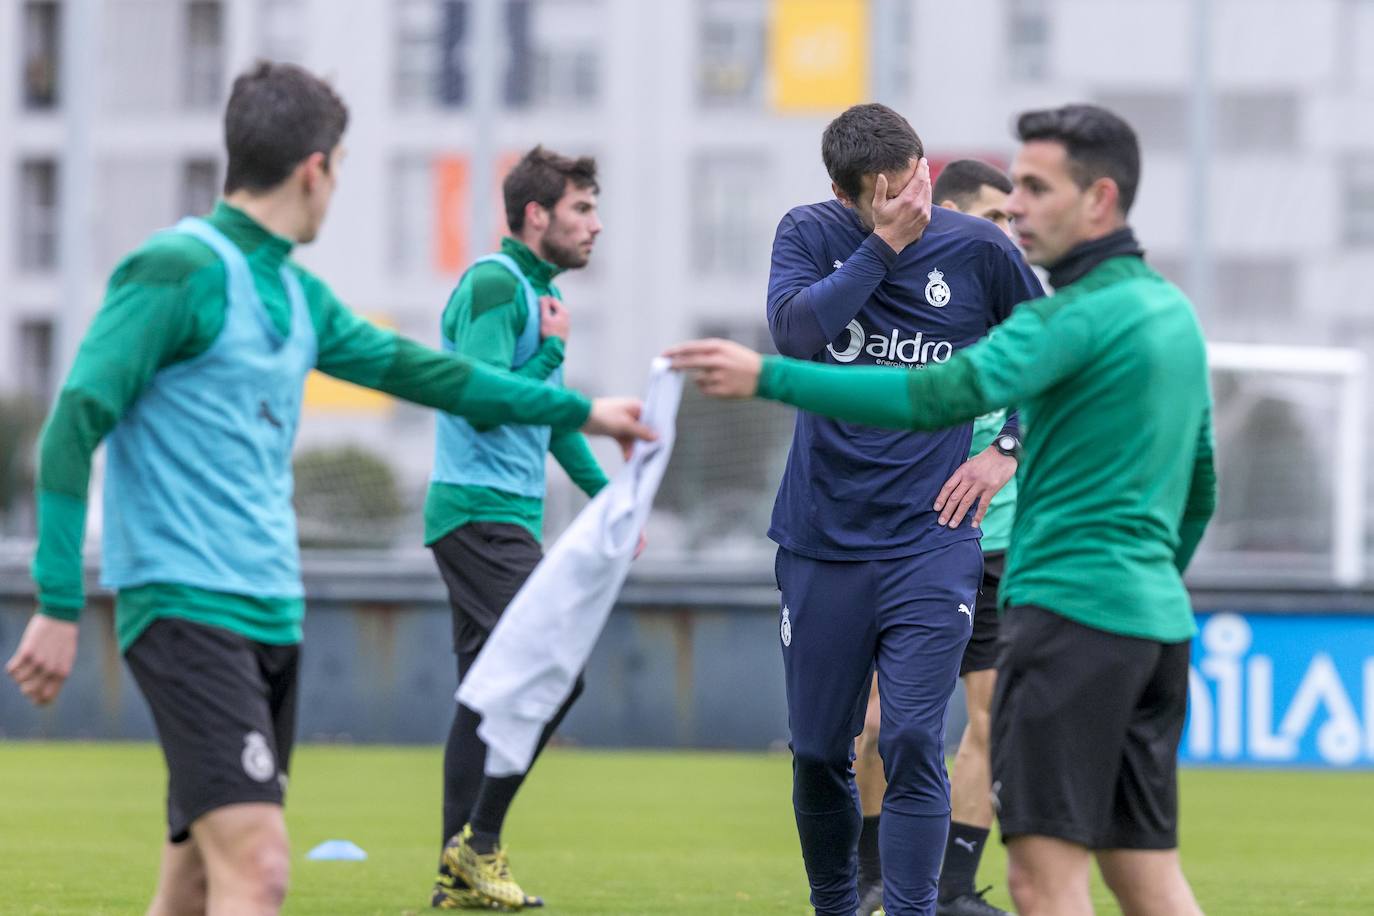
[451, 191]
[452, 214]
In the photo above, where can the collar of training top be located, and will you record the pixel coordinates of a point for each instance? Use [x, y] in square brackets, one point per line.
[1084, 256]
[530, 264]
[247, 233]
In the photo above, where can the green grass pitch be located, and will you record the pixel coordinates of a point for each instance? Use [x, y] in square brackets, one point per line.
[616, 833]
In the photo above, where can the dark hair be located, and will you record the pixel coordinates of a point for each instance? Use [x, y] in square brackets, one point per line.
[542, 176]
[866, 140]
[963, 179]
[1099, 144]
[277, 117]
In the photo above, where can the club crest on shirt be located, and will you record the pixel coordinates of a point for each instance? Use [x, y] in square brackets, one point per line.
[937, 290]
[786, 626]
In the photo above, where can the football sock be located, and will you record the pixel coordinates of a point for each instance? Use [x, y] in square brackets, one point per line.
[962, 854]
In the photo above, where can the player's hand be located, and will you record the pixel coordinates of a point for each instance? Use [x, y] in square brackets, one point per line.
[619, 419]
[977, 480]
[901, 221]
[44, 658]
[553, 318]
[724, 369]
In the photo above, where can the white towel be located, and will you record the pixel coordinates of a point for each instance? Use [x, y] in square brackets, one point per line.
[543, 640]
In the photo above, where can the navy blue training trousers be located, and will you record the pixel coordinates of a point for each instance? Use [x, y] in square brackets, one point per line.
[909, 618]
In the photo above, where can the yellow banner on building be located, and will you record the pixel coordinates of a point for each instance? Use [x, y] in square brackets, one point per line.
[326, 394]
[818, 55]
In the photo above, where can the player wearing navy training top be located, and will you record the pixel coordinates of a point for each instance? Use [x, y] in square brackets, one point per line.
[981, 190]
[870, 573]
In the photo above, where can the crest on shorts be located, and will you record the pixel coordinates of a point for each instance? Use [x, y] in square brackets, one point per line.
[257, 758]
[786, 626]
[937, 290]
[964, 609]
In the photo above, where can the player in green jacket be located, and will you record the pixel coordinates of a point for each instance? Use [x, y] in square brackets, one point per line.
[193, 373]
[1116, 485]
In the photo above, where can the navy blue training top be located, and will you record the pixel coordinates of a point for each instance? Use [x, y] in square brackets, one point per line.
[839, 294]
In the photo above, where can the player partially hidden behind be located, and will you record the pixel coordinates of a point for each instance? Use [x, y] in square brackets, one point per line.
[1116, 486]
[485, 511]
[981, 190]
[194, 369]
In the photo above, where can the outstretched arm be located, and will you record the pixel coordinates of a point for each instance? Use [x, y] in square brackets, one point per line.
[1024, 358]
[357, 351]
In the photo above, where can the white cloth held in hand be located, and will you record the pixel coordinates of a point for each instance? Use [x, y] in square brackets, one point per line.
[543, 641]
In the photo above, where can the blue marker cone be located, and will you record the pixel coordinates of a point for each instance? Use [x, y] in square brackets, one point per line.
[337, 851]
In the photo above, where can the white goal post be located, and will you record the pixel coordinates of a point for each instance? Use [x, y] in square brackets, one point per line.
[1349, 368]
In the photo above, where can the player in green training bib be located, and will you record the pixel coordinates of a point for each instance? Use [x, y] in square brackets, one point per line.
[484, 513]
[192, 372]
[1115, 488]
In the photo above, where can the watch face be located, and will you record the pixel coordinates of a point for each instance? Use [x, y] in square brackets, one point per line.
[1006, 443]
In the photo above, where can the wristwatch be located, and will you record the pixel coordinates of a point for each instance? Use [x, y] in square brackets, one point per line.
[1008, 445]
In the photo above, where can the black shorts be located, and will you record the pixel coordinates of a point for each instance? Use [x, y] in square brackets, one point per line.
[981, 652]
[225, 711]
[483, 564]
[1085, 732]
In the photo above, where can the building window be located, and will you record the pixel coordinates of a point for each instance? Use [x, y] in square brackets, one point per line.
[204, 54]
[1028, 40]
[38, 215]
[732, 57]
[281, 30]
[1358, 197]
[550, 53]
[900, 70]
[42, 31]
[1161, 119]
[730, 222]
[431, 42]
[553, 53]
[35, 376]
[1242, 121]
[412, 215]
[138, 193]
[199, 187]
[204, 61]
[1257, 121]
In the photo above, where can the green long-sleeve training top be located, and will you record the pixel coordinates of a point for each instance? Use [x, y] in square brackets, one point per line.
[166, 304]
[484, 317]
[1116, 481]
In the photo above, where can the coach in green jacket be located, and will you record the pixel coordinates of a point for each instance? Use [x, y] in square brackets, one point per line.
[1116, 487]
